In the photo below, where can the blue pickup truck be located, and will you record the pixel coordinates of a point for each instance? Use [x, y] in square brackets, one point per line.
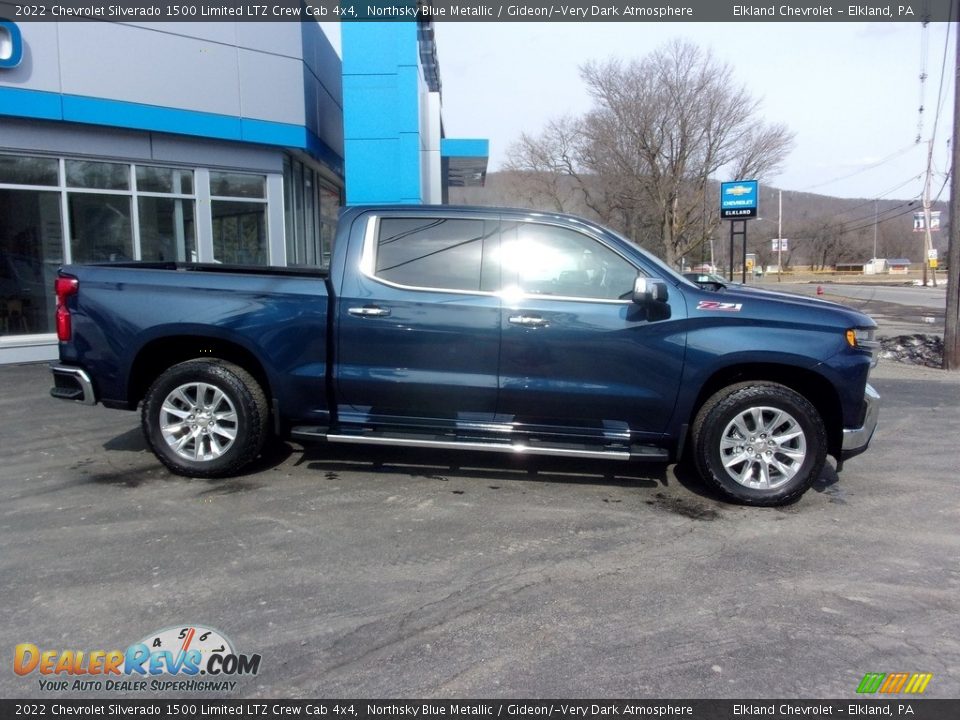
[477, 329]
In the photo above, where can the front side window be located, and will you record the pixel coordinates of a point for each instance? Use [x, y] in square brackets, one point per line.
[554, 261]
[436, 253]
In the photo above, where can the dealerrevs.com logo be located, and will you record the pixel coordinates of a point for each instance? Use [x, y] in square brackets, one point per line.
[181, 659]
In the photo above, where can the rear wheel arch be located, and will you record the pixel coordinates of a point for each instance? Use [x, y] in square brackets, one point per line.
[159, 355]
[205, 418]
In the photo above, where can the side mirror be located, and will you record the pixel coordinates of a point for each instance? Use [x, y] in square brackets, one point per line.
[648, 290]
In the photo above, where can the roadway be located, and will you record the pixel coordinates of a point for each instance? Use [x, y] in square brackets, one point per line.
[915, 296]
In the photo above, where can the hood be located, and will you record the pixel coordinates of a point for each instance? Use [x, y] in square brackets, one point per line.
[759, 302]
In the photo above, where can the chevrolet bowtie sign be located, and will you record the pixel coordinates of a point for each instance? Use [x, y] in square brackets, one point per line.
[739, 200]
[11, 44]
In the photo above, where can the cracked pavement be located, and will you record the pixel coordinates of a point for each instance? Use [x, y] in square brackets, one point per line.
[379, 573]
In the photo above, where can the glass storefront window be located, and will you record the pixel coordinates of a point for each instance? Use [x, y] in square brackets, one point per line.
[28, 170]
[239, 232]
[167, 230]
[329, 213]
[100, 227]
[93, 211]
[164, 180]
[311, 207]
[239, 185]
[98, 175]
[31, 242]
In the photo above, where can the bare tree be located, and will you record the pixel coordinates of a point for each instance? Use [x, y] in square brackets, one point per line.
[660, 129]
[541, 167]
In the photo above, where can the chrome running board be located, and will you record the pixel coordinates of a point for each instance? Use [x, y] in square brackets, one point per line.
[637, 452]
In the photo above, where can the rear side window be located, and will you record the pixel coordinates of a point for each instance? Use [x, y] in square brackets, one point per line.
[441, 253]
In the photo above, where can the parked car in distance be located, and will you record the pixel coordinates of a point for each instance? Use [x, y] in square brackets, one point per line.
[708, 281]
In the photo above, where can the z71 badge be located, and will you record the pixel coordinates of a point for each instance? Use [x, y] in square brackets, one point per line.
[714, 305]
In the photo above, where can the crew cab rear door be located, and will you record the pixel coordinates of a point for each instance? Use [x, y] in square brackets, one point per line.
[419, 324]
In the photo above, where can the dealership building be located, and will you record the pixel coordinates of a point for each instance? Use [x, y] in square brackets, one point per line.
[226, 142]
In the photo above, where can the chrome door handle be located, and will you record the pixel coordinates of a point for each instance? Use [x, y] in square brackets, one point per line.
[369, 311]
[528, 320]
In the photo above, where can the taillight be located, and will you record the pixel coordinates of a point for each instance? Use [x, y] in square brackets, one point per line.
[64, 287]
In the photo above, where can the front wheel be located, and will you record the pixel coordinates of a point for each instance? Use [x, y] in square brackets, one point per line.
[205, 418]
[759, 443]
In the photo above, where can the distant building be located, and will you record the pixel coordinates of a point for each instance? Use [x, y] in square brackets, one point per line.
[898, 266]
[884, 266]
[850, 267]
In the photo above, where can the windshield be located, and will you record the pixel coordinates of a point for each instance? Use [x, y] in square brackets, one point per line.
[668, 271]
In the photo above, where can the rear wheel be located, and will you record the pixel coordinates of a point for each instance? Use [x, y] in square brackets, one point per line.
[759, 443]
[205, 418]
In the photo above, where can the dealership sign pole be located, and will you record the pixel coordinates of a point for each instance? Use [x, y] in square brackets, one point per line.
[739, 202]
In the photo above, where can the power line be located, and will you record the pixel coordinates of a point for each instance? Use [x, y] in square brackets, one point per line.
[870, 224]
[883, 194]
[871, 216]
[943, 73]
[877, 164]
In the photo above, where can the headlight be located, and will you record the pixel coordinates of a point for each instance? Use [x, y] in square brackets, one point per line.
[864, 339]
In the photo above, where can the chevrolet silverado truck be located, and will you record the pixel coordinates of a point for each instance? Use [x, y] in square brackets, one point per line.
[473, 329]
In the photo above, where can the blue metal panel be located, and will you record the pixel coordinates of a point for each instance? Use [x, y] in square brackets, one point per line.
[381, 112]
[370, 106]
[231, 66]
[408, 97]
[408, 179]
[372, 167]
[150, 117]
[271, 133]
[97, 111]
[321, 60]
[464, 147]
[30, 103]
[374, 47]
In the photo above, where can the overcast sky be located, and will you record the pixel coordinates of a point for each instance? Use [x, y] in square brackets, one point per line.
[850, 91]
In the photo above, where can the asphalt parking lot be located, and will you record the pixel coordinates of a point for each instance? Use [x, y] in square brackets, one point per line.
[393, 573]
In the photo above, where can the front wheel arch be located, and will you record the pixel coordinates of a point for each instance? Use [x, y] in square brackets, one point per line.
[813, 386]
[759, 443]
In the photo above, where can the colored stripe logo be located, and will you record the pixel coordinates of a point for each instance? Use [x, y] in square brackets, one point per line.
[894, 683]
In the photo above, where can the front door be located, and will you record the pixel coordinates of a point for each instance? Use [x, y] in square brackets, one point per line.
[578, 358]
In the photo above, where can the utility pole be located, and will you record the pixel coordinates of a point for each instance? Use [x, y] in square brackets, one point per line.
[875, 219]
[927, 239]
[779, 235]
[951, 338]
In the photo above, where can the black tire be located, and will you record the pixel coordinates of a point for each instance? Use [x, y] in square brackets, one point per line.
[227, 427]
[776, 464]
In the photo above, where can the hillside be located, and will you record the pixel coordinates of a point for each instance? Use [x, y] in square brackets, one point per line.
[822, 230]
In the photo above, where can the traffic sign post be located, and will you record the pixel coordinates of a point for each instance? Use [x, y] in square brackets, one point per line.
[739, 202]
[738, 228]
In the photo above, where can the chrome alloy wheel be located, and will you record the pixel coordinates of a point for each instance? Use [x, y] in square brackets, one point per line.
[198, 421]
[763, 448]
